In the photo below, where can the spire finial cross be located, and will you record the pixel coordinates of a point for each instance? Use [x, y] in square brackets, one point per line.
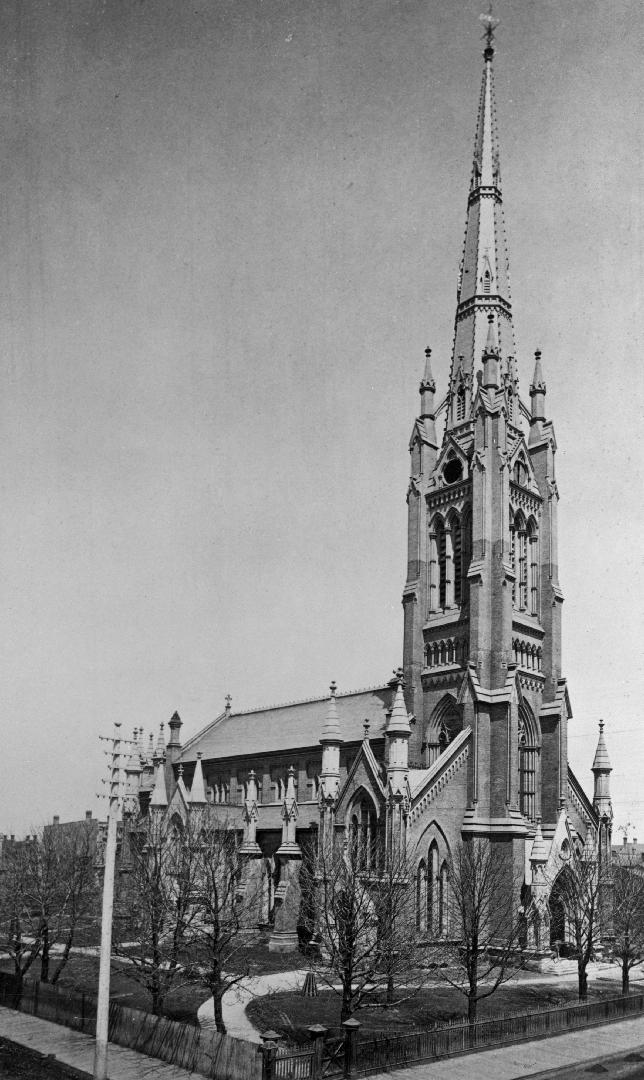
[490, 24]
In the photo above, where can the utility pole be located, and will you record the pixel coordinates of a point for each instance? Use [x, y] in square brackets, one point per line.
[102, 1013]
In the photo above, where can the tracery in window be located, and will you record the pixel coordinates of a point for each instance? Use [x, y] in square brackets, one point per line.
[528, 764]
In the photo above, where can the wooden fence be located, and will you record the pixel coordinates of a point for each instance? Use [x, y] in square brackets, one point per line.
[197, 1049]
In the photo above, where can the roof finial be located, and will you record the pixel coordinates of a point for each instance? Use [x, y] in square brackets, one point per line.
[490, 24]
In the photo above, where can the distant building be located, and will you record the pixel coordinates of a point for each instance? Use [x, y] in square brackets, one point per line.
[470, 738]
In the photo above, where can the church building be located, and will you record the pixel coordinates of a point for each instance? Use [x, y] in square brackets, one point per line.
[470, 737]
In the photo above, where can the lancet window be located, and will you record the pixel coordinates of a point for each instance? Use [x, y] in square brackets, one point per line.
[443, 915]
[421, 896]
[528, 765]
[363, 834]
[449, 560]
[460, 403]
[524, 559]
[432, 890]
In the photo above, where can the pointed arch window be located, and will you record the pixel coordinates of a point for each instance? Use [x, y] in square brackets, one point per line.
[460, 403]
[457, 558]
[532, 567]
[519, 561]
[513, 560]
[487, 282]
[363, 835]
[432, 889]
[440, 555]
[421, 896]
[528, 767]
[443, 903]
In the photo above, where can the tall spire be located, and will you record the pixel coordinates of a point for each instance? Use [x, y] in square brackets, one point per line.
[483, 286]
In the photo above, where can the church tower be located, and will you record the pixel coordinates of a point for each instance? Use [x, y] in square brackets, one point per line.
[482, 604]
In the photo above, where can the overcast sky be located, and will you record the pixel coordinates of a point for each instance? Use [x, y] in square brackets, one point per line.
[228, 230]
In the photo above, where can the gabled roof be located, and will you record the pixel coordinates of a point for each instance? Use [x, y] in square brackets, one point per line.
[286, 727]
[365, 759]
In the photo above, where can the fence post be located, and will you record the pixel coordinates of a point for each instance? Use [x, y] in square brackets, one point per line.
[268, 1050]
[317, 1033]
[351, 1028]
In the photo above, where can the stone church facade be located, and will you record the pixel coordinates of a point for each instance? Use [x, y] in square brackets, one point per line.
[469, 739]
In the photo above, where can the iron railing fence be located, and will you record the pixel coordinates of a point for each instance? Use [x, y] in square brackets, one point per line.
[458, 1037]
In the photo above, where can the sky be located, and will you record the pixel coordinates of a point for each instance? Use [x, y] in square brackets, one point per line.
[228, 230]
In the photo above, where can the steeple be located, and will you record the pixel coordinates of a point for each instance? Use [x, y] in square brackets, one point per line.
[483, 285]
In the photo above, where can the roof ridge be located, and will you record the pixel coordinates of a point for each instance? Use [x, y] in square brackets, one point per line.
[279, 705]
[308, 701]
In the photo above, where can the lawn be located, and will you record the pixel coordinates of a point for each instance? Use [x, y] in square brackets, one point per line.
[19, 1063]
[290, 1014]
[182, 1003]
[81, 974]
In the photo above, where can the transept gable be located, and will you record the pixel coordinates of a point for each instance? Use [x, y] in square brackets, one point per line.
[364, 773]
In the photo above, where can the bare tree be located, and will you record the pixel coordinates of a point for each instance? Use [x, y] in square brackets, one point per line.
[483, 916]
[227, 900]
[578, 888]
[18, 923]
[48, 889]
[156, 902]
[628, 915]
[364, 919]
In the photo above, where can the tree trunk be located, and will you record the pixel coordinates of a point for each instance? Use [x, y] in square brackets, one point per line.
[44, 959]
[219, 1018]
[625, 975]
[582, 979]
[64, 958]
[347, 1003]
[473, 979]
[390, 990]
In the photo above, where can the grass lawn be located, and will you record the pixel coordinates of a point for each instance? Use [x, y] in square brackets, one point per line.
[81, 974]
[19, 1063]
[182, 1003]
[290, 1013]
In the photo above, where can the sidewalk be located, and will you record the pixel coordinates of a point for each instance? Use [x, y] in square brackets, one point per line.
[77, 1050]
[531, 1058]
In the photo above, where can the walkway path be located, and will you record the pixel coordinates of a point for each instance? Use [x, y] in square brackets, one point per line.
[235, 1001]
[77, 1050]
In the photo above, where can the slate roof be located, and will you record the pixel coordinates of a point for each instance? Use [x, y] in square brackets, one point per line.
[285, 727]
